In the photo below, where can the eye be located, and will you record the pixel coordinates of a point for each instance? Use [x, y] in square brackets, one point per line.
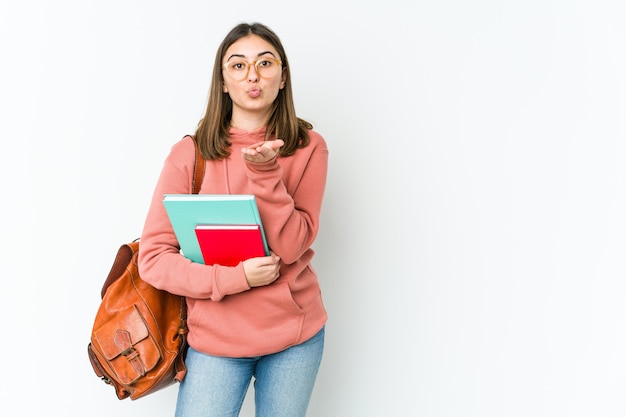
[238, 66]
[265, 63]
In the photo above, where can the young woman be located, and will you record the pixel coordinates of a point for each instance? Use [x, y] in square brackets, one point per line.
[263, 319]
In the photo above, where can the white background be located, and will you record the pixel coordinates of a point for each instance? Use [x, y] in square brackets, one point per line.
[472, 247]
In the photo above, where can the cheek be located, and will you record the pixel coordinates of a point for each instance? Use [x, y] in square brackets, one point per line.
[278, 84]
[229, 86]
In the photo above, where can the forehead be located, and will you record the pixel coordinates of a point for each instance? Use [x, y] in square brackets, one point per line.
[250, 47]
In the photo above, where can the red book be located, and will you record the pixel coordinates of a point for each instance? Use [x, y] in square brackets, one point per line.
[229, 244]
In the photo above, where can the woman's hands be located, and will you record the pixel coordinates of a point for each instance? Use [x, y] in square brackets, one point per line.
[262, 151]
[262, 271]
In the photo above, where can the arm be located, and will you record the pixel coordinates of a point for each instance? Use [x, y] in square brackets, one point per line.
[291, 220]
[160, 261]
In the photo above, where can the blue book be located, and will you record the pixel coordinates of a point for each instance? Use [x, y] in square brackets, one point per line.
[187, 211]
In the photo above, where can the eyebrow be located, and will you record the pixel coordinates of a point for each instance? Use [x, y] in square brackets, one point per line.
[258, 55]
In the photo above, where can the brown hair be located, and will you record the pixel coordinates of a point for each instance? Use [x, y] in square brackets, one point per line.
[212, 132]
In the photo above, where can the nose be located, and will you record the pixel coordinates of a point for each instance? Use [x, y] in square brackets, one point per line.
[253, 75]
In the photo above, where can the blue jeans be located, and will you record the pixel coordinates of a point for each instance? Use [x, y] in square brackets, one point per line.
[283, 382]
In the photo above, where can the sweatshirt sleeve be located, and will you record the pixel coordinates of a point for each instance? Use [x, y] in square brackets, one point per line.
[291, 221]
[160, 262]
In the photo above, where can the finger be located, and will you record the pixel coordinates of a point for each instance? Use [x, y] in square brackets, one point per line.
[276, 144]
[269, 261]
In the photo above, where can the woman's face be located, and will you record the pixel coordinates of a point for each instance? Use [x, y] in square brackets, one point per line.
[253, 76]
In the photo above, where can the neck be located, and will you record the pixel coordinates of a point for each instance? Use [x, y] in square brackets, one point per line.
[248, 121]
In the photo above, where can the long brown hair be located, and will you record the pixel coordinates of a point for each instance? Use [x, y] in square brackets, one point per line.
[212, 132]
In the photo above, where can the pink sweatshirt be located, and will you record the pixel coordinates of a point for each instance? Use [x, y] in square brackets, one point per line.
[225, 316]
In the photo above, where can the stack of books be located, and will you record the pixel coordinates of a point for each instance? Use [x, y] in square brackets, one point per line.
[222, 229]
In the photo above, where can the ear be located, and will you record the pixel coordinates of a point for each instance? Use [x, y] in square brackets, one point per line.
[224, 89]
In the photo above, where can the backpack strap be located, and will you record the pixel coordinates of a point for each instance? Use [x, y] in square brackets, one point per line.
[198, 169]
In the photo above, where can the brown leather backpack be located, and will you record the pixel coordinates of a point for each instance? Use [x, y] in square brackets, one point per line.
[139, 336]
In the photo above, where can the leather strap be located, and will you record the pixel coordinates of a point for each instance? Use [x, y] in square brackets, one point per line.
[123, 341]
[198, 169]
[196, 182]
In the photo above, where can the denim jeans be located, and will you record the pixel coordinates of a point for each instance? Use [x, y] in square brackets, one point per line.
[283, 382]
